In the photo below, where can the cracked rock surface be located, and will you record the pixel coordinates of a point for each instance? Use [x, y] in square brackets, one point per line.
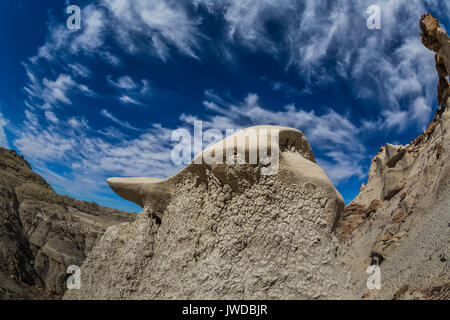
[227, 232]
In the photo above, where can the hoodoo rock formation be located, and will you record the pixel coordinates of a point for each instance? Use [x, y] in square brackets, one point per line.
[42, 233]
[224, 231]
[435, 39]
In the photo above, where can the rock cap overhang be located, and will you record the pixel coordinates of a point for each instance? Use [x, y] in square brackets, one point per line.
[295, 154]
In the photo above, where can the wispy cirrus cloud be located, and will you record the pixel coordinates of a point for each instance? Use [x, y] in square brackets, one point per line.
[78, 123]
[3, 140]
[125, 82]
[159, 23]
[44, 145]
[340, 165]
[322, 40]
[87, 158]
[319, 39]
[130, 90]
[47, 93]
[62, 43]
[288, 90]
[80, 70]
[125, 99]
[139, 26]
[90, 160]
[121, 123]
[327, 41]
[50, 116]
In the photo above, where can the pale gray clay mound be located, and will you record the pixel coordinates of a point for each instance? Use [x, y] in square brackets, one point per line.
[224, 231]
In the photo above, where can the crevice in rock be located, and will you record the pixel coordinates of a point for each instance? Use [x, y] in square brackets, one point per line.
[376, 258]
[395, 159]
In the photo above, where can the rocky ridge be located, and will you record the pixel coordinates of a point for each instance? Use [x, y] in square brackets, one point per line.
[400, 219]
[41, 232]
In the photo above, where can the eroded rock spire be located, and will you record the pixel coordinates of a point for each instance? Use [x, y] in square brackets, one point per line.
[435, 39]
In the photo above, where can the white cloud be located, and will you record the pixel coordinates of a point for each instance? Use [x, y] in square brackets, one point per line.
[127, 100]
[328, 41]
[396, 118]
[330, 126]
[130, 90]
[53, 91]
[140, 26]
[3, 140]
[32, 121]
[112, 133]
[160, 23]
[62, 42]
[324, 40]
[145, 88]
[50, 116]
[78, 123]
[90, 159]
[44, 145]
[418, 112]
[93, 27]
[124, 124]
[287, 89]
[85, 90]
[125, 82]
[421, 110]
[342, 166]
[80, 70]
[110, 58]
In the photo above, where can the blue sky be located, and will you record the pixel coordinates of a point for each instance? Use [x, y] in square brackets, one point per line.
[103, 101]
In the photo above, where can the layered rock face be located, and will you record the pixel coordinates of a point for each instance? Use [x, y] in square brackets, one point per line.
[400, 219]
[224, 231]
[41, 232]
[387, 174]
